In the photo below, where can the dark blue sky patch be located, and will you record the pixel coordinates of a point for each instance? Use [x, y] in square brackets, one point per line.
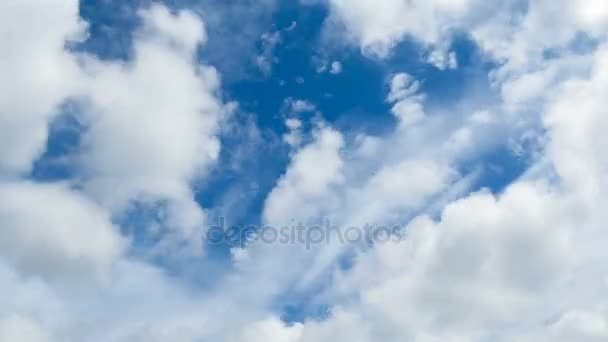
[111, 24]
[499, 168]
[56, 163]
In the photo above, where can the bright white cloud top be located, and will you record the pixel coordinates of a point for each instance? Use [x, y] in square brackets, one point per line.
[526, 263]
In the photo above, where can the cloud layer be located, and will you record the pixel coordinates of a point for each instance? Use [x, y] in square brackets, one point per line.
[523, 263]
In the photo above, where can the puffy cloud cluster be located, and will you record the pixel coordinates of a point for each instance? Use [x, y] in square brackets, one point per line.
[313, 171]
[39, 75]
[514, 30]
[149, 131]
[393, 20]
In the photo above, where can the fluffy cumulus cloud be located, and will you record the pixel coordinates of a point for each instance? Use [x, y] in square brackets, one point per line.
[526, 262]
[69, 237]
[153, 121]
[516, 266]
[40, 74]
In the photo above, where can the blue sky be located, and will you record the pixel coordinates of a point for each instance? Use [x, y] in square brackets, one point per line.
[470, 130]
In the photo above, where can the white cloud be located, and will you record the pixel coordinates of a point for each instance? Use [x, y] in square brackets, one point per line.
[39, 74]
[443, 60]
[292, 110]
[407, 103]
[183, 31]
[514, 31]
[481, 248]
[394, 20]
[294, 135]
[296, 106]
[150, 131]
[16, 328]
[153, 122]
[54, 232]
[313, 171]
[575, 116]
[524, 265]
[272, 330]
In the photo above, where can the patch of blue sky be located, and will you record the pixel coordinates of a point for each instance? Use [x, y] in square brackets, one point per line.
[56, 163]
[497, 168]
[298, 308]
[354, 97]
